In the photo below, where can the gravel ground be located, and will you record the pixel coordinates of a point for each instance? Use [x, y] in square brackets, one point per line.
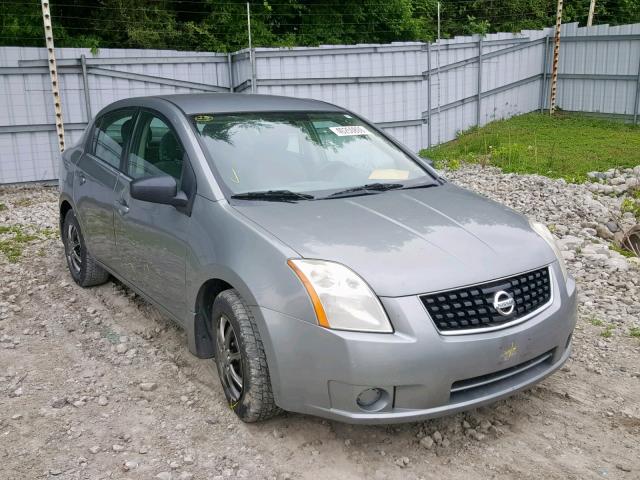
[96, 384]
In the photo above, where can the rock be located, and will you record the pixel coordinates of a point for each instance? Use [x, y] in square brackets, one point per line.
[485, 425]
[117, 448]
[427, 442]
[570, 242]
[130, 465]
[596, 249]
[121, 348]
[103, 401]
[58, 402]
[603, 232]
[186, 476]
[164, 476]
[475, 434]
[402, 462]
[613, 227]
[617, 263]
[617, 181]
[95, 449]
[148, 386]
[437, 436]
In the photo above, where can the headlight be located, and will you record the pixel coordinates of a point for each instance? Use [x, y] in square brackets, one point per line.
[546, 234]
[341, 299]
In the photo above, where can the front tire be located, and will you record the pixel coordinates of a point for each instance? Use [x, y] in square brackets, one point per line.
[240, 359]
[84, 270]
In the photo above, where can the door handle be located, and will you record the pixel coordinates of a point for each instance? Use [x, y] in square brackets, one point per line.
[82, 178]
[122, 207]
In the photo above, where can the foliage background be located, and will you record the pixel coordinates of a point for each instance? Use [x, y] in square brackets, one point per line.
[220, 25]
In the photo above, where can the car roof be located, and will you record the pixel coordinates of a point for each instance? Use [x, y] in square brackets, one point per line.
[193, 103]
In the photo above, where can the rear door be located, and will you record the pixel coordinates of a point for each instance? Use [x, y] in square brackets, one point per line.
[151, 238]
[95, 181]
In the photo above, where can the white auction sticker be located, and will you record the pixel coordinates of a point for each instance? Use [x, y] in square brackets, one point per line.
[350, 130]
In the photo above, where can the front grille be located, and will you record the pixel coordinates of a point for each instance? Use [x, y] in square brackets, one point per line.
[472, 307]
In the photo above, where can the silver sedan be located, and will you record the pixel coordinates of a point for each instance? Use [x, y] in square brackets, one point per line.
[322, 266]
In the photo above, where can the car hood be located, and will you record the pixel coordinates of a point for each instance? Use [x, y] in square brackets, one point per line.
[406, 242]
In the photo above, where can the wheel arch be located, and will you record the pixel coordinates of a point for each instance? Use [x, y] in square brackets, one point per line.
[65, 206]
[199, 331]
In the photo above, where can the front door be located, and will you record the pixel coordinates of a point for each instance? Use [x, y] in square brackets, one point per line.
[150, 237]
[95, 181]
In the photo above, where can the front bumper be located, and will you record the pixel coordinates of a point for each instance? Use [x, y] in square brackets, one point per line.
[321, 372]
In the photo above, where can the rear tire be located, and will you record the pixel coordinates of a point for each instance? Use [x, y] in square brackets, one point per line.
[240, 359]
[84, 270]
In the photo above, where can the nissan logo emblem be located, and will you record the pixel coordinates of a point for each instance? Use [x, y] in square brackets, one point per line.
[504, 303]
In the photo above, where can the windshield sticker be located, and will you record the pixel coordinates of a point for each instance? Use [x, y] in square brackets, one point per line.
[350, 130]
[203, 118]
[389, 174]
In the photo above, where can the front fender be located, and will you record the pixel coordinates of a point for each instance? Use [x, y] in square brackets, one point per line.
[228, 247]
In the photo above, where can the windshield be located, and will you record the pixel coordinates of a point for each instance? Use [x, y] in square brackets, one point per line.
[302, 152]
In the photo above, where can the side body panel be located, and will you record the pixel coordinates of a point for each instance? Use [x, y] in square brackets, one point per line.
[151, 240]
[93, 197]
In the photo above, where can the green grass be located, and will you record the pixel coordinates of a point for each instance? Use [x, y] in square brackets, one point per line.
[608, 331]
[596, 322]
[622, 251]
[563, 146]
[14, 238]
[634, 332]
[631, 205]
[2, 207]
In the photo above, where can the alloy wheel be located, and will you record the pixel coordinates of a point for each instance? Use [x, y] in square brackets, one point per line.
[74, 248]
[229, 359]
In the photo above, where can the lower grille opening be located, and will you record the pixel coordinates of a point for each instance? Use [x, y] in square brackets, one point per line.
[482, 385]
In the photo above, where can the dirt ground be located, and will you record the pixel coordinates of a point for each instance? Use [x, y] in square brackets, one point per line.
[96, 384]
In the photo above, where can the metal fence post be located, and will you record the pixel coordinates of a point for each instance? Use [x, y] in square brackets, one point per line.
[53, 72]
[85, 82]
[479, 105]
[230, 67]
[545, 67]
[637, 97]
[429, 94]
[556, 59]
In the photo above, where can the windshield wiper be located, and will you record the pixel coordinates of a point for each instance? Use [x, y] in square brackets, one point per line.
[364, 189]
[420, 185]
[273, 196]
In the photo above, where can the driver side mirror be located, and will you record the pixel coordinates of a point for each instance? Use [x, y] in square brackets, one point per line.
[161, 189]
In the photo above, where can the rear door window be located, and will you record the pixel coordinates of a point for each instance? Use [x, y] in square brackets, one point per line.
[111, 135]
